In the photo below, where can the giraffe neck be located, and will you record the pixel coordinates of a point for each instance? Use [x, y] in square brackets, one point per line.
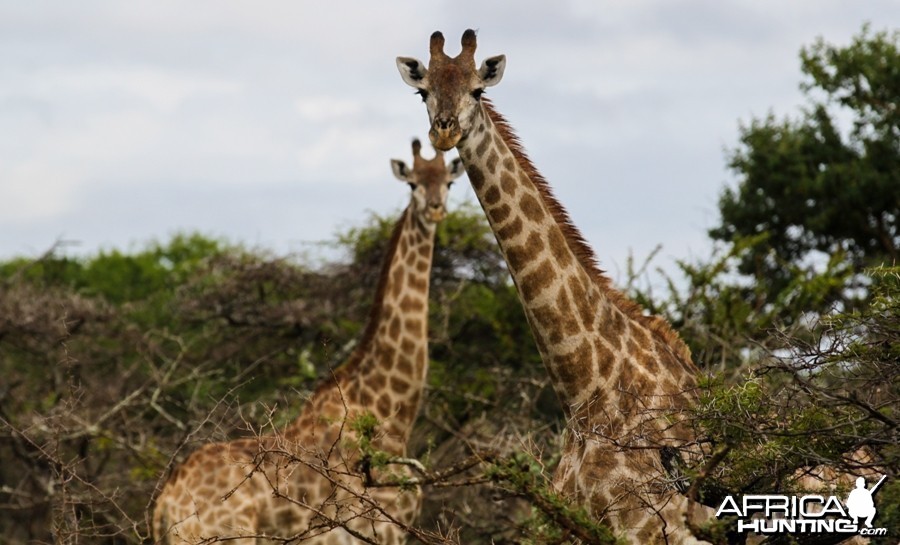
[584, 329]
[386, 372]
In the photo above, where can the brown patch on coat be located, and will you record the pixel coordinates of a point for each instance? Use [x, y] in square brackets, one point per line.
[492, 160]
[492, 195]
[510, 230]
[499, 213]
[476, 176]
[537, 280]
[519, 255]
[573, 368]
[531, 208]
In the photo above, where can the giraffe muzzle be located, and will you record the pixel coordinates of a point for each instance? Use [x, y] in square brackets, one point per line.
[444, 133]
[436, 214]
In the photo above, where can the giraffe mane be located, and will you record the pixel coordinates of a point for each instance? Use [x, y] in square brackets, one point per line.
[579, 246]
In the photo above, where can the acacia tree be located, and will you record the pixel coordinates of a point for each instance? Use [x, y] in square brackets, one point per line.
[815, 185]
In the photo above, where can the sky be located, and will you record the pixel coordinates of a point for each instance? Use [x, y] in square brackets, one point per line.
[272, 123]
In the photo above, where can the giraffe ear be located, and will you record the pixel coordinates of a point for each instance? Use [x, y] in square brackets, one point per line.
[401, 171]
[455, 168]
[412, 70]
[491, 71]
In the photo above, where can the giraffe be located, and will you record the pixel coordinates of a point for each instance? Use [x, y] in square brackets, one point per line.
[304, 481]
[623, 378]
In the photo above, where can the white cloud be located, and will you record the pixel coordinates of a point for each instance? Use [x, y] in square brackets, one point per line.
[285, 103]
[163, 90]
[102, 139]
[62, 161]
[34, 191]
[326, 108]
[341, 148]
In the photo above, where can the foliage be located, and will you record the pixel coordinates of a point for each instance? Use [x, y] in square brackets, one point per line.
[118, 365]
[820, 412]
[797, 338]
[364, 427]
[555, 520]
[811, 190]
[725, 319]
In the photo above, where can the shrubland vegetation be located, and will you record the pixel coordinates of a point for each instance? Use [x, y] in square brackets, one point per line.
[114, 366]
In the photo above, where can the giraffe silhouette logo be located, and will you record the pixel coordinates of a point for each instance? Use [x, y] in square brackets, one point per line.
[860, 504]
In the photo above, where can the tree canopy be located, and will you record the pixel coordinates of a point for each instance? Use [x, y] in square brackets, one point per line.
[828, 182]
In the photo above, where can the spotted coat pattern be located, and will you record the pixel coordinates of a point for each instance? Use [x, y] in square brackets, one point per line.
[624, 378]
[306, 482]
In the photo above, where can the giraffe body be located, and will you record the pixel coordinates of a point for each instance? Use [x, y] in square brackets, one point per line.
[623, 378]
[306, 483]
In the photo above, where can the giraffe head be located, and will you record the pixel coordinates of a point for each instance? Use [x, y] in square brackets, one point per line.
[451, 87]
[430, 181]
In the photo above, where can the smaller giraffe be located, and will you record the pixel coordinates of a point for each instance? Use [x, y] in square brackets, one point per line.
[305, 482]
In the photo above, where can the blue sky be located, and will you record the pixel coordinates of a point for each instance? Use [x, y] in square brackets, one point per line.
[272, 123]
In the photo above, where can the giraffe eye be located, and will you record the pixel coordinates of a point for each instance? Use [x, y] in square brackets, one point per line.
[476, 94]
[422, 93]
[412, 186]
[450, 184]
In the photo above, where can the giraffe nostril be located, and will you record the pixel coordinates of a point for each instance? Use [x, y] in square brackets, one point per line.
[445, 123]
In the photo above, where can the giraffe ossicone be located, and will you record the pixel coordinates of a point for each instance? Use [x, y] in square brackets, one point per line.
[624, 379]
[304, 482]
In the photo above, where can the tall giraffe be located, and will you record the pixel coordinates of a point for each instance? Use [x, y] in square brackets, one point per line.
[623, 378]
[302, 482]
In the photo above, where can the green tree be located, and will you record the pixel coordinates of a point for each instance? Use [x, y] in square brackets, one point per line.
[802, 367]
[830, 399]
[813, 185]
